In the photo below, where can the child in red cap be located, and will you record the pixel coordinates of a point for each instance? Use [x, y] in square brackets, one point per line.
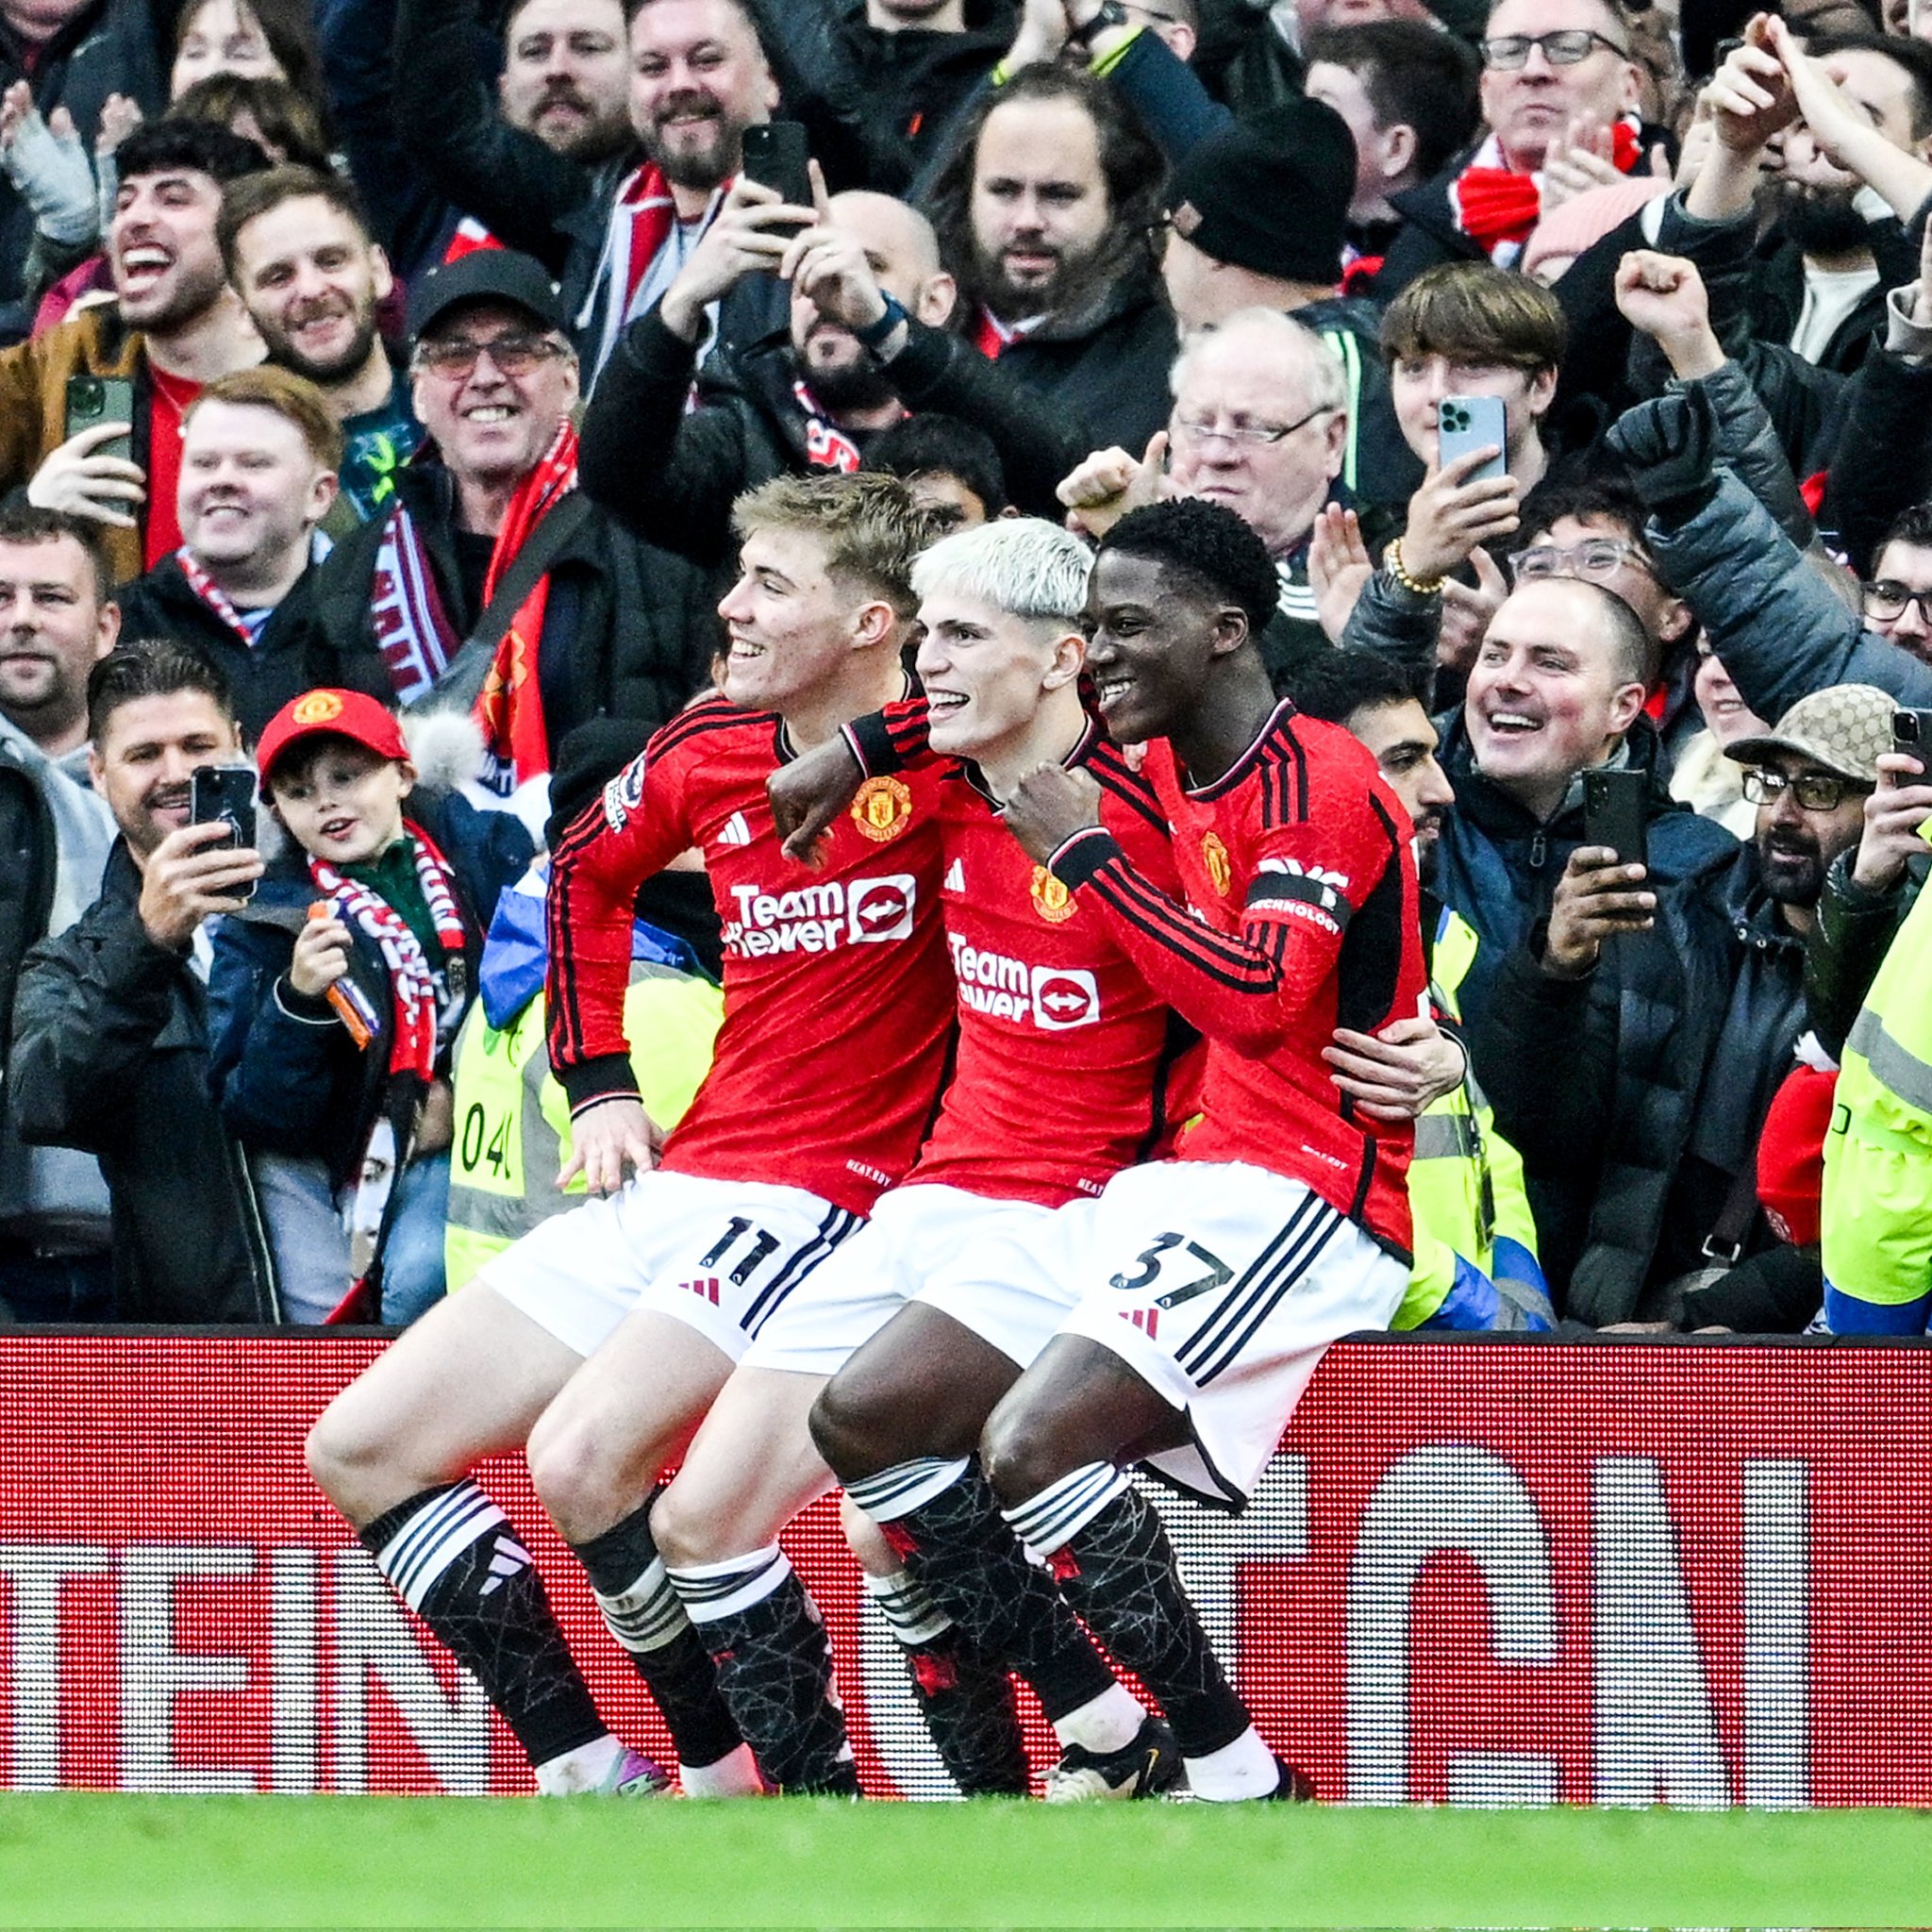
[336, 997]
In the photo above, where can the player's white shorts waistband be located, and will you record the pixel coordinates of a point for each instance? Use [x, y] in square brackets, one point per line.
[720, 1257]
[1222, 1285]
[919, 1237]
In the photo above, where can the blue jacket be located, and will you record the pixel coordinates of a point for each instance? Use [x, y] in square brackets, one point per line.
[286, 1081]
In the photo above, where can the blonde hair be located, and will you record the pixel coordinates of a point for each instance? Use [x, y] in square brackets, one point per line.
[295, 398]
[869, 525]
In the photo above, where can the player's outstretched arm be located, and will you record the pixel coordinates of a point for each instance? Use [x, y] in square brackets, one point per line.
[1245, 989]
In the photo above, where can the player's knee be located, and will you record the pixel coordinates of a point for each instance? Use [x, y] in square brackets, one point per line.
[1021, 1453]
[354, 1464]
[569, 1474]
[846, 1432]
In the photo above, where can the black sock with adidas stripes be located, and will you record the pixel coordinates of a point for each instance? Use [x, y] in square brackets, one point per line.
[959, 1546]
[646, 1617]
[1118, 1570]
[775, 1668]
[454, 1558]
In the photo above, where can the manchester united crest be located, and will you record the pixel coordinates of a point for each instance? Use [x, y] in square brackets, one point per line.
[1214, 855]
[882, 809]
[1051, 899]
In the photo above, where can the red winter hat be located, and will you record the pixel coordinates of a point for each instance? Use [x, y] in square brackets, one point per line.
[329, 714]
[1791, 1153]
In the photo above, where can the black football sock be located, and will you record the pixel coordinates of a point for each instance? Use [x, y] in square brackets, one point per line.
[454, 1558]
[646, 1617]
[1104, 1543]
[965, 1697]
[943, 1523]
[775, 1667]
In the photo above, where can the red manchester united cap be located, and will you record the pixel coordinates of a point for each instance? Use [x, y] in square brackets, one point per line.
[329, 714]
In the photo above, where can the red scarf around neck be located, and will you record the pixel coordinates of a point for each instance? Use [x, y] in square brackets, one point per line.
[510, 707]
[1496, 207]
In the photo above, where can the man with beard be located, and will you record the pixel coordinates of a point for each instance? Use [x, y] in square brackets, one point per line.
[109, 1049]
[864, 344]
[614, 233]
[299, 251]
[258, 455]
[1859, 115]
[175, 325]
[1044, 210]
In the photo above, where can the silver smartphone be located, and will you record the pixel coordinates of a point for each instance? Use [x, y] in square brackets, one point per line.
[1471, 422]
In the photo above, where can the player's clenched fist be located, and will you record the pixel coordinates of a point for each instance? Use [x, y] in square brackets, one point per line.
[1049, 806]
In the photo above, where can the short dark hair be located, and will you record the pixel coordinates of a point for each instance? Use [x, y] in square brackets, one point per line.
[288, 121]
[1211, 544]
[22, 521]
[1476, 310]
[254, 195]
[1636, 651]
[1133, 168]
[153, 668]
[1913, 525]
[1414, 75]
[932, 443]
[1335, 685]
[1912, 55]
[159, 147]
[1584, 491]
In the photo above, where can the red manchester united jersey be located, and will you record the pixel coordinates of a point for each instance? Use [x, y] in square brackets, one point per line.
[1069, 1068]
[837, 1001]
[1301, 916]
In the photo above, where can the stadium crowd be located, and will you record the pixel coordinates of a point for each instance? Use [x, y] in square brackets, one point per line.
[918, 668]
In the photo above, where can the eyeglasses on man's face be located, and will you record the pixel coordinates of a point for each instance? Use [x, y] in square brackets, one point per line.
[1238, 430]
[1597, 559]
[1888, 600]
[1508, 52]
[455, 357]
[1814, 791]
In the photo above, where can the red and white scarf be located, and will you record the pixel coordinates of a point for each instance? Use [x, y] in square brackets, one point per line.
[418, 640]
[211, 594]
[1496, 205]
[642, 219]
[421, 997]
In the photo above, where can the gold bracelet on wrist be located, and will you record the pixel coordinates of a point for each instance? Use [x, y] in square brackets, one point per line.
[1416, 587]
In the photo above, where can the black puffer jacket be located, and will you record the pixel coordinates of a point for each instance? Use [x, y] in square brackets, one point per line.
[627, 630]
[671, 473]
[1598, 1081]
[110, 1056]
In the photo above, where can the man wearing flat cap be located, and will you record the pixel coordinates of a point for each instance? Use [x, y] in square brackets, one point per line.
[493, 584]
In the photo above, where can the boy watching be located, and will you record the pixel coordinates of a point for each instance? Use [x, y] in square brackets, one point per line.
[336, 994]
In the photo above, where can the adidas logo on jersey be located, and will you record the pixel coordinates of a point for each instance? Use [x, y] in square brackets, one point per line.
[821, 918]
[955, 880]
[1054, 998]
[736, 830]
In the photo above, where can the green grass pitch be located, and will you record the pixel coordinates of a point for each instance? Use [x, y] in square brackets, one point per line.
[76, 1859]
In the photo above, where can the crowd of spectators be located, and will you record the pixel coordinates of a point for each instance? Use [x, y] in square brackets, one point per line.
[379, 359]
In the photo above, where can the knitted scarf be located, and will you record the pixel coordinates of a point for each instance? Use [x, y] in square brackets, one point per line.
[1497, 205]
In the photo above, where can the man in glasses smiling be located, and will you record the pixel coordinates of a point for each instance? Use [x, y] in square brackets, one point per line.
[1559, 90]
[490, 582]
[1897, 599]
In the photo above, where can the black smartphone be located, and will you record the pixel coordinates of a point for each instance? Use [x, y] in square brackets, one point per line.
[225, 794]
[92, 400]
[1614, 812]
[1911, 733]
[775, 155]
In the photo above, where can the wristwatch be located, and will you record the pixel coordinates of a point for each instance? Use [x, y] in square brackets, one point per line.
[1108, 13]
[874, 332]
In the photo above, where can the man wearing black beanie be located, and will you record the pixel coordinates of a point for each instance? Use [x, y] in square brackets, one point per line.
[1258, 217]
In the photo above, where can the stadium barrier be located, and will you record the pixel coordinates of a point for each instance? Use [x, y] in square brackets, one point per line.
[1483, 1571]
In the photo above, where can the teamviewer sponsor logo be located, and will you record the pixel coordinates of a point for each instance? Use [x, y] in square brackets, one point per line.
[820, 918]
[1053, 998]
[881, 909]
